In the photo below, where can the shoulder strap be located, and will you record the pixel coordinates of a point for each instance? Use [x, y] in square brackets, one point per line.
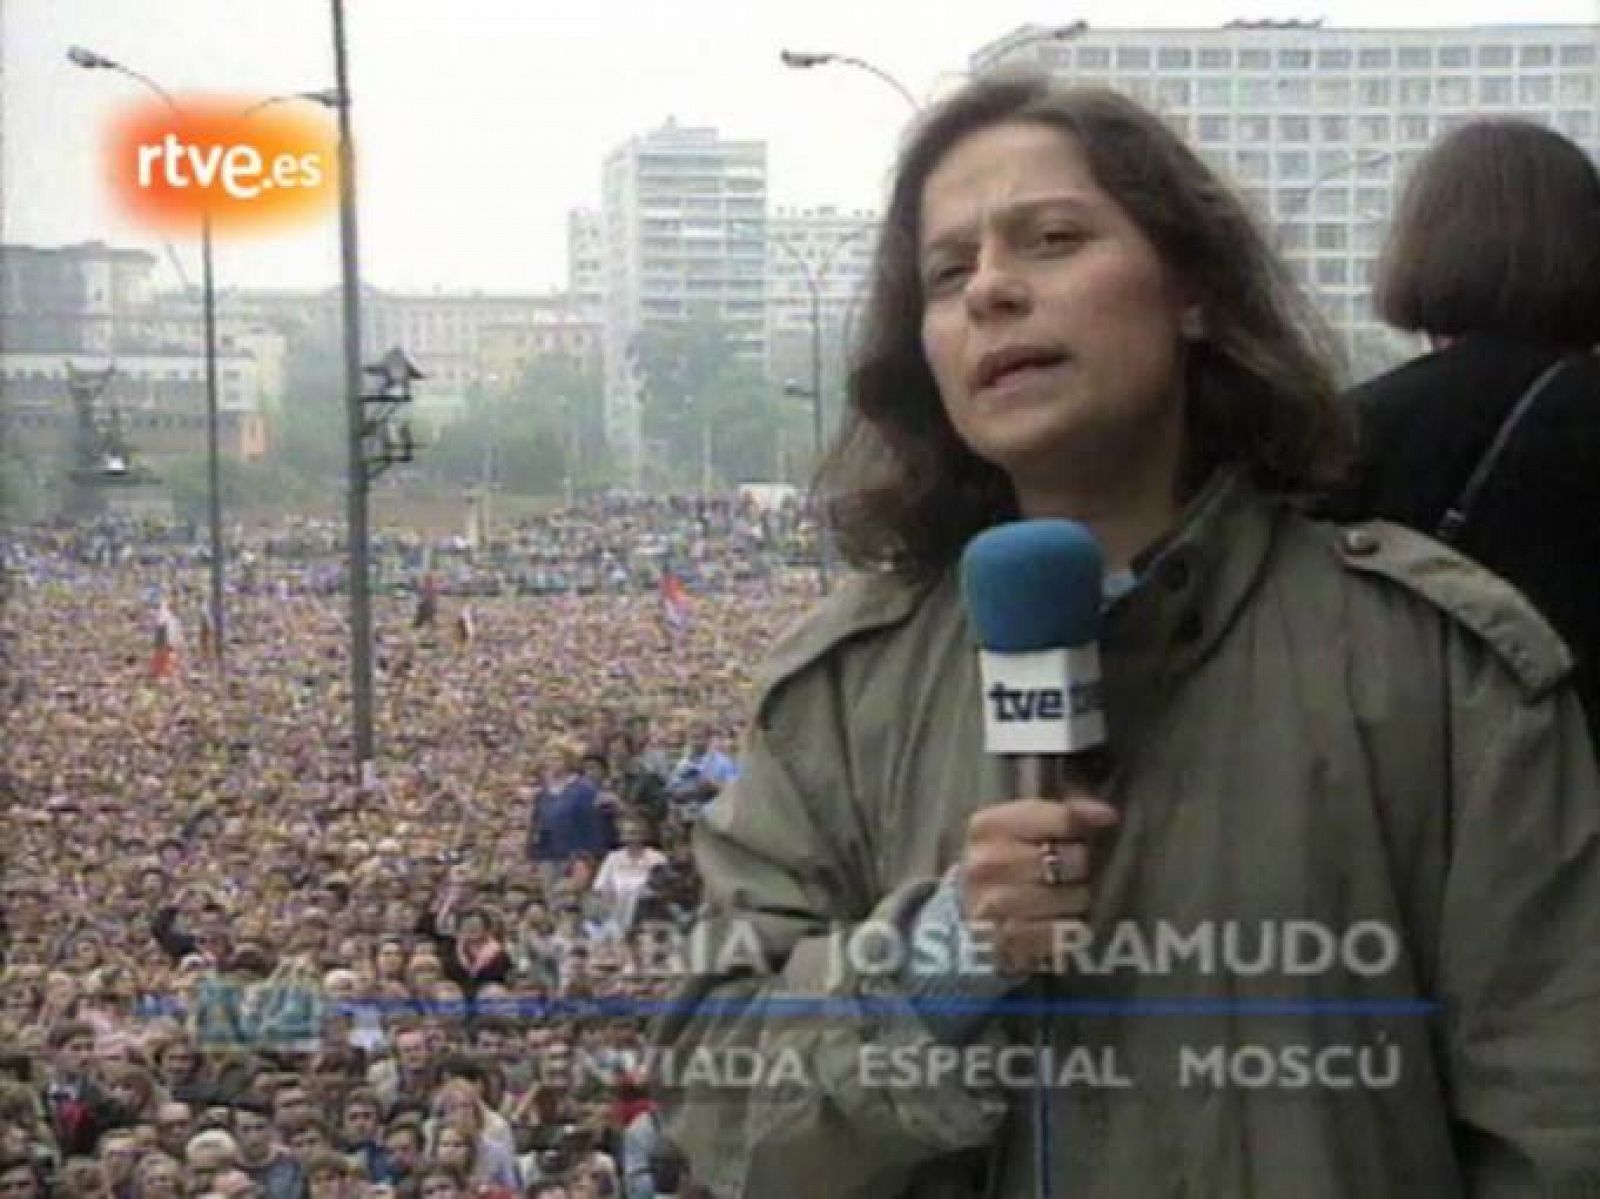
[1456, 516]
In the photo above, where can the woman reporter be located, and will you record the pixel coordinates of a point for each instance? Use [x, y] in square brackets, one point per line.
[1072, 317]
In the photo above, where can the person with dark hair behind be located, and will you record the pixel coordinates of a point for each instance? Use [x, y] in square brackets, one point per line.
[1494, 255]
[1071, 316]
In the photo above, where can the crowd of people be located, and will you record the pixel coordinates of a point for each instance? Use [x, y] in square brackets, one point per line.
[612, 542]
[231, 970]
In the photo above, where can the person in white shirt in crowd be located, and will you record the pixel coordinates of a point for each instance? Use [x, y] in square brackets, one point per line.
[624, 873]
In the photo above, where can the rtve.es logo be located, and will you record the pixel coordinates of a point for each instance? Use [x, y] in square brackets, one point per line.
[251, 168]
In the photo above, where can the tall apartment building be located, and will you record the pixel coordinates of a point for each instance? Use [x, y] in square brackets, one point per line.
[816, 258]
[684, 232]
[1318, 126]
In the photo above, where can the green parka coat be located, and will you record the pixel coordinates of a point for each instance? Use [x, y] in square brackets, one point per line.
[1350, 726]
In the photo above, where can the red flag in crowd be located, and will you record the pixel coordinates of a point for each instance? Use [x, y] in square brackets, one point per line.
[674, 601]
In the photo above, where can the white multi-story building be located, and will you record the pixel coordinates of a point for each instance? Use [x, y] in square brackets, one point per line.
[684, 233]
[1318, 126]
[818, 262]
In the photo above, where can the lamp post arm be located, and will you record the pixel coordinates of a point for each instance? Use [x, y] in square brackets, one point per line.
[863, 65]
[150, 83]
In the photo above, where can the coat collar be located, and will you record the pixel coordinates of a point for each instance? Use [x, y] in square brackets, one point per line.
[1192, 588]
[1188, 591]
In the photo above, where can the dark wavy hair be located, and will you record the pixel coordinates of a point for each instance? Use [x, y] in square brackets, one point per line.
[1498, 231]
[902, 491]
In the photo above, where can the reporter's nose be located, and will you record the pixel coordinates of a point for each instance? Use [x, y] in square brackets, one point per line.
[996, 287]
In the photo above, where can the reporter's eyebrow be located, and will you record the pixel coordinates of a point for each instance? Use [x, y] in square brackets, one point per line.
[1008, 215]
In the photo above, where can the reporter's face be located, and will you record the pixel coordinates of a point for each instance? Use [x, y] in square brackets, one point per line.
[1024, 253]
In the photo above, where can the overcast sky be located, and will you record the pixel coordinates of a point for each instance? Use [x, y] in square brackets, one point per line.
[479, 123]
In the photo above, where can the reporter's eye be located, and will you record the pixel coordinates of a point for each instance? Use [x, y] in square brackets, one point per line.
[1059, 236]
[944, 277]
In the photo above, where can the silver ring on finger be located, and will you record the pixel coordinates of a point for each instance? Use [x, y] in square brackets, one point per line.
[1052, 865]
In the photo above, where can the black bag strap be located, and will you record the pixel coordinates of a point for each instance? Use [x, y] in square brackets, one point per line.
[1459, 513]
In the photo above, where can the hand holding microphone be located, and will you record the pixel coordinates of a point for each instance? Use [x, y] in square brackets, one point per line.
[1033, 591]
[1026, 867]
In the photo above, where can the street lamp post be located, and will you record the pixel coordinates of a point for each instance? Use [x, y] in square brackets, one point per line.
[813, 280]
[91, 61]
[358, 547]
[805, 59]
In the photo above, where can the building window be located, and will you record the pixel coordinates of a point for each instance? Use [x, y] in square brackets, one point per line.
[1333, 92]
[1455, 91]
[1333, 59]
[1216, 129]
[1416, 56]
[1376, 59]
[1375, 93]
[1413, 129]
[1172, 92]
[1577, 56]
[1294, 164]
[1330, 236]
[1216, 93]
[1294, 93]
[1373, 129]
[1535, 56]
[1371, 200]
[1579, 125]
[1096, 57]
[1255, 93]
[1216, 58]
[1494, 89]
[1294, 129]
[1332, 200]
[1254, 165]
[1534, 89]
[1255, 129]
[1332, 162]
[1294, 59]
[1577, 89]
[1174, 57]
[1255, 60]
[1494, 56]
[1455, 56]
[1416, 90]
[1332, 270]
[1133, 58]
[1330, 129]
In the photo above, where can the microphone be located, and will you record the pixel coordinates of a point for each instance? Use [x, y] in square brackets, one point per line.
[1033, 591]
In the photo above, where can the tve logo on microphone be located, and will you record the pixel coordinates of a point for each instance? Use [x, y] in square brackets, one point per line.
[1046, 701]
[1043, 703]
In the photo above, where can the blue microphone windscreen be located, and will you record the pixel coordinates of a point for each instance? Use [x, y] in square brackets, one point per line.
[1033, 584]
